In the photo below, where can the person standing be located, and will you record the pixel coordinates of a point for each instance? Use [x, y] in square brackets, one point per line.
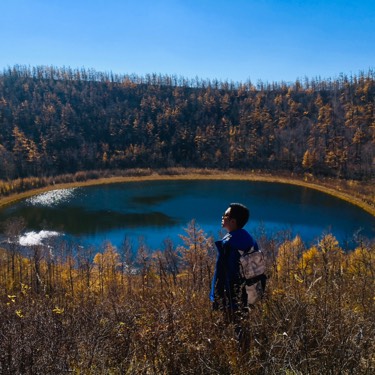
[228, 292]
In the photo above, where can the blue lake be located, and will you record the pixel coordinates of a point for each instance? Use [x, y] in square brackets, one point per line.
[157, 210]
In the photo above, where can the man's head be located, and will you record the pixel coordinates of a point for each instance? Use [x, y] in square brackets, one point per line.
[235, 217]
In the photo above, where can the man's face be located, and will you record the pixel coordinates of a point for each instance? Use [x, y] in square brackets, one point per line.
[227, 222]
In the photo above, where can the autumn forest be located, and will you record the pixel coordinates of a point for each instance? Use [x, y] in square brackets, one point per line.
[60, 120]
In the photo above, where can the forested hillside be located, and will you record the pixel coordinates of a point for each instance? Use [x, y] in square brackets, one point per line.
[58, 120]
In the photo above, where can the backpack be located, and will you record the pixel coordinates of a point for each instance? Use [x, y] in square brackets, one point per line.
[252, 269]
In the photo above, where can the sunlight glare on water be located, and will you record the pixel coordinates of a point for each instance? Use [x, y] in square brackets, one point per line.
[36, 238]
[52, 197]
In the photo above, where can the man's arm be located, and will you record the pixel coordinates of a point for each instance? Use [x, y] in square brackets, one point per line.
[218, 280]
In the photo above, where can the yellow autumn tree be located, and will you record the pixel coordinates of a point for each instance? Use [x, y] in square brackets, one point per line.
[196, 256]
[308, 160]
[309, 261]
[107, 263]
[331, 256]
[288, 258]
[361, 262]
[359, 270]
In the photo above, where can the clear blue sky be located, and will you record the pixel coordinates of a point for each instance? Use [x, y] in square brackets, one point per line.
[268, 40]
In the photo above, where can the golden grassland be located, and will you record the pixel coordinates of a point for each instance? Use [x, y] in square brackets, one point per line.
[113, 313]
[359, 193]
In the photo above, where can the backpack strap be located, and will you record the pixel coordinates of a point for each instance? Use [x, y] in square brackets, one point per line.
[251, 250]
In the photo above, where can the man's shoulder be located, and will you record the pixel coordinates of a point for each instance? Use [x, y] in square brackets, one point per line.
[241, 234]
[241, 239]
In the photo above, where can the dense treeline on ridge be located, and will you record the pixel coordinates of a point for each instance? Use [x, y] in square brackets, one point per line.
[59, 120]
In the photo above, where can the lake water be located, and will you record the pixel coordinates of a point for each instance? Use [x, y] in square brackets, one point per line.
[155, 211]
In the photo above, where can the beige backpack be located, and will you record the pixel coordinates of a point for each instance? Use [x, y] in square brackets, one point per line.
[252, 269]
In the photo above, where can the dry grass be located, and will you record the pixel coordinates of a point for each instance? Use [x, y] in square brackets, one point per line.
[86, 314]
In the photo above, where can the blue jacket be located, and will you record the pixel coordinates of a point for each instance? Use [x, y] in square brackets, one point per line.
[226, 283]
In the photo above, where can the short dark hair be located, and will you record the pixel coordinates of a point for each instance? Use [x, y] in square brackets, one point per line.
[240, 213]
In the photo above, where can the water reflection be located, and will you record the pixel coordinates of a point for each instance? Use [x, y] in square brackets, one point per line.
[78, 221]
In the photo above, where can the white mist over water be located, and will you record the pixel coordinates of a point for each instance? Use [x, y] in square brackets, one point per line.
[36, 238]
[51, 198]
